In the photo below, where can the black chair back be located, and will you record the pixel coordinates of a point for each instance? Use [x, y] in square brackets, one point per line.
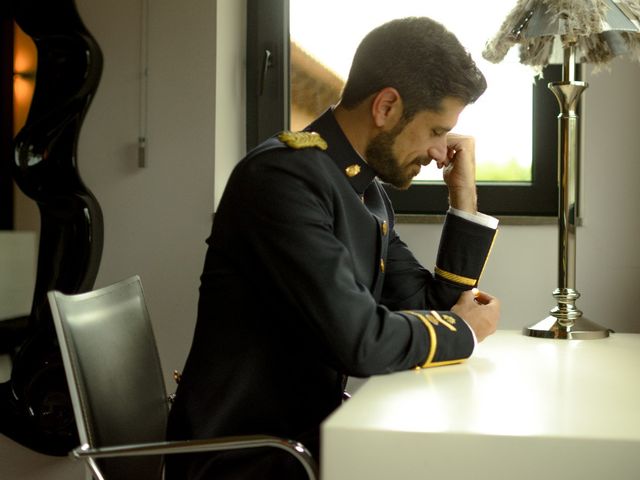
[114, 373]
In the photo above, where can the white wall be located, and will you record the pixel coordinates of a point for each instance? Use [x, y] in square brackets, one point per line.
[608, 255]
[157, 218]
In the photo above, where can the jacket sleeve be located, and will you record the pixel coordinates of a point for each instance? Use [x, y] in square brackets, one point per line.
[285, 216]
[462, 254]
[409, 287]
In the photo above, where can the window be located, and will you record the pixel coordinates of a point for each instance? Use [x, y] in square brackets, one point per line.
[297, 62]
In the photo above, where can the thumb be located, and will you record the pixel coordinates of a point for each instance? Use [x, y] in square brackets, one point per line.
[483, 298]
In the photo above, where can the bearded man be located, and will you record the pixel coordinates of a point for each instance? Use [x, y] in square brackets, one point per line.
[306, 281]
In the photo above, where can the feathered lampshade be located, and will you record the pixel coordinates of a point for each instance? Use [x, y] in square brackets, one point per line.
[590, 31]
[598, 29]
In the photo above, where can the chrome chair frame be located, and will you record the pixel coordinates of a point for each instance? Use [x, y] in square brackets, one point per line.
[62, 307]
[298, 450]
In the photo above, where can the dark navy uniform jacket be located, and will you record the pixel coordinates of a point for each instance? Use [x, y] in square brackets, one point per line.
[306, 282]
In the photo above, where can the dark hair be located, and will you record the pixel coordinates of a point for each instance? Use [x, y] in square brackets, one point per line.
[418, 57]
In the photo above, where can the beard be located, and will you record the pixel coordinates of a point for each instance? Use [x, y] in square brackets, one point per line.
[380, 157]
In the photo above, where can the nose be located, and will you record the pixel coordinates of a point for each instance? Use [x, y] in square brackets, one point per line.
[439, 152]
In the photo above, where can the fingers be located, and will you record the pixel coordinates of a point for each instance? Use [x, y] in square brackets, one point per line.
[441, 156]
[483, 298]
[460, 142]
[476, 296]
[455, 155]
[480, 310]
[468, 296]
[444, 158]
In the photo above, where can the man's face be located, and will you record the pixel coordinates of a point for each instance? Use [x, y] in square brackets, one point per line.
[397, 155]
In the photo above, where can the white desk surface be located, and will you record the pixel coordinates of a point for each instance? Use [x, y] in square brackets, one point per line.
[520, 407]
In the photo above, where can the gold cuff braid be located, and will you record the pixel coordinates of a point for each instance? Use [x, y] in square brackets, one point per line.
[434, 318]
[471, 282]
[432, 335]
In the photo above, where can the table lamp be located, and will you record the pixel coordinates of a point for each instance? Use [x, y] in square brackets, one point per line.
[589, 31]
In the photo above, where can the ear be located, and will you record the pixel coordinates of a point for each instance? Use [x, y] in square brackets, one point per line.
[386, 108]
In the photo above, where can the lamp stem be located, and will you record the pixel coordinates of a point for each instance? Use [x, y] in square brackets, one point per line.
[569, 64]
[568, 94]
[566, 320]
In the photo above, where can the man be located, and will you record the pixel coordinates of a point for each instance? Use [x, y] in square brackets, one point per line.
[306, 281]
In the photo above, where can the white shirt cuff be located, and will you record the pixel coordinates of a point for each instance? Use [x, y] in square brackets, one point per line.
[481, 218]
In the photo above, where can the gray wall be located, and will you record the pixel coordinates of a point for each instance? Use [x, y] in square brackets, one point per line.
[157, 218]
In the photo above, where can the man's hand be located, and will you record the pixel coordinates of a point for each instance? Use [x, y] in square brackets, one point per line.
[480, 310]
[459, 163]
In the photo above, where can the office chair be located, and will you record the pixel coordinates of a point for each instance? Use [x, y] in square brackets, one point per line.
[117, 388]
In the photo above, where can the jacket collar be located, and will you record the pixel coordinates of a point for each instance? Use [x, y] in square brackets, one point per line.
[350, 163]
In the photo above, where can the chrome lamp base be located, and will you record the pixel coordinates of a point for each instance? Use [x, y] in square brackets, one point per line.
[566, 321]
[580, 329]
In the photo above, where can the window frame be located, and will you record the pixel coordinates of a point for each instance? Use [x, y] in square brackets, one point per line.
[268, 98]
[267, 87]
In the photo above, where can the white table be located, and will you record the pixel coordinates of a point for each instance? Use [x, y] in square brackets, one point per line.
[521, 408]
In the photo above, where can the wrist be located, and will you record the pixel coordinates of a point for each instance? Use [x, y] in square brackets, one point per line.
[464, 199]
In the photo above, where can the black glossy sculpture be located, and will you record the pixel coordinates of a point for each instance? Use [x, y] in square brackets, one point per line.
[34, 405]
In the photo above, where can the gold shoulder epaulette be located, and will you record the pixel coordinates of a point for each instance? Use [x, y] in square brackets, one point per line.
[298, 140]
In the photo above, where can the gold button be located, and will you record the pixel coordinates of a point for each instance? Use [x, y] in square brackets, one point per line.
[385, 228]
[382, 265]
[352, 170]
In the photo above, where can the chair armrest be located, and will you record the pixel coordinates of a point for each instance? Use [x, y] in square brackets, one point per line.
[296, 449]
